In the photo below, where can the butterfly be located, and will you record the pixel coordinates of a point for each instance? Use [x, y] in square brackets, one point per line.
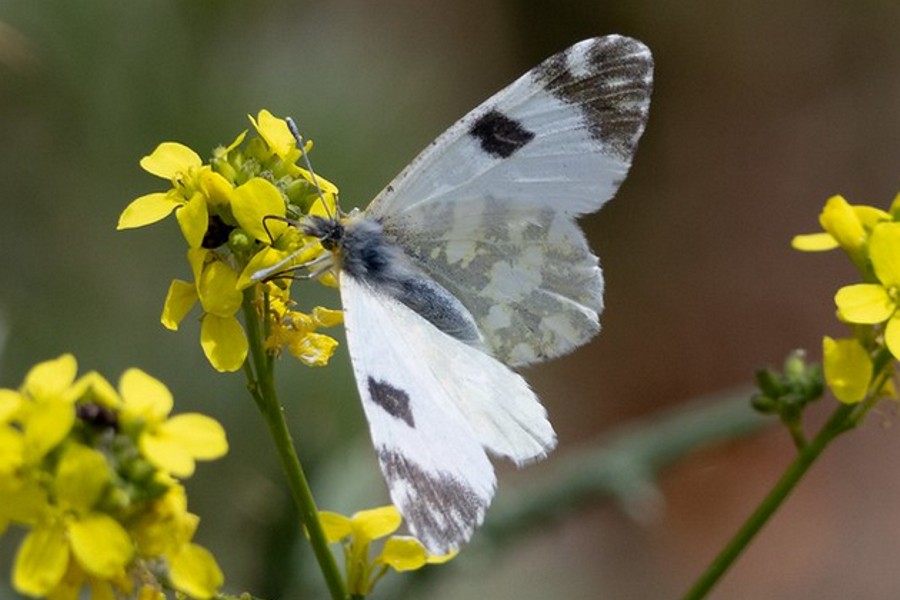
[470, 264]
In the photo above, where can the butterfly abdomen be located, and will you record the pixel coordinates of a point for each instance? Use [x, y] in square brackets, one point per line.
[367, 254]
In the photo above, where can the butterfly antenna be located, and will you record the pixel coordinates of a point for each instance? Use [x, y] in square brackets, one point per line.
[295, 131]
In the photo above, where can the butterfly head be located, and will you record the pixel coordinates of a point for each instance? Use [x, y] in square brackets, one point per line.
[329, 231]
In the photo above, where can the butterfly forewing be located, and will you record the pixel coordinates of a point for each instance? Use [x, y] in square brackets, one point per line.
[488, 209]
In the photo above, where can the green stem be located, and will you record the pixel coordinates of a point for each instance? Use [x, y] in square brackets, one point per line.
[839, 422]
[262, 387]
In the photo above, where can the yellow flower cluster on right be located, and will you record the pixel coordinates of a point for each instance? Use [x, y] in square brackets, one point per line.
[91, 472]
[871, 239]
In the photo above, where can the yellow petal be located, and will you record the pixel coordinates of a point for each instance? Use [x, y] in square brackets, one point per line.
[51, 378]
[892, 335]
[403, 554]
[870, 216]
[147, 209]
[197, 259]
[100, 544]
[252, 203]
[193, 218]
[10, 402]
[101, 589]
[202, 437]
[180, 298]
[262, 260]
[375, 523]
[223, 342]
[328, 208]
[275, 132]
[150, 592]
[217, 289]
[848, 369]
[169, 159]
[46, 427]
[865, 303]
[81, 477]
[144, 397]
[217, 189]
[895, 205]
[313, 349]
[167, 453]
[41, 561]
[329, 280]
[884, 250]
[814, 242]
[237, 141]
[326, 317]
[98, 389]
[12, 454]
[194, 571]
[336, 526]
[840, 220]
[442, 558]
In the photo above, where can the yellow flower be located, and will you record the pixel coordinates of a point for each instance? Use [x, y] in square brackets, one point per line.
[221, 334]
[166, 529]
[846, 226]
[238, 214]
[84, 470]
[171, 444]
[192, 183]
[401, 553]
[874, 303]
[71, 529]
[296, 330]
[46, 405]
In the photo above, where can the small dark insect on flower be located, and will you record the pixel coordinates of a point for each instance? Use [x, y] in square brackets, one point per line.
[217, 233]
[97, 415]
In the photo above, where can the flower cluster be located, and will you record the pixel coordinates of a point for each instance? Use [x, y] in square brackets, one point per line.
[357, 532]
[859, 368]
[235, 213]
[92, 472]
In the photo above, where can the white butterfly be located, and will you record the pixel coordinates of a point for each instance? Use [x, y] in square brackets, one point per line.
[470, 263]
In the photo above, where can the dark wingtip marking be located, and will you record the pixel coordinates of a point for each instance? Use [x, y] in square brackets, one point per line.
[441, 510]
[613, 92]
[499, 135]
[395, 402]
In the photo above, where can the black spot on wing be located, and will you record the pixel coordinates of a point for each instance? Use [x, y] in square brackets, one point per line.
[499, 135]
[394, 401]
[441, 510]
[610, 80]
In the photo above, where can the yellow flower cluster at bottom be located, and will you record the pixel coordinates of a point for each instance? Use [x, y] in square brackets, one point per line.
[90, 471]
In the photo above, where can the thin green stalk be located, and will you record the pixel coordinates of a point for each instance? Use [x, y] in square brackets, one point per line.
[844, 418]
[262, 387]
[836, 425]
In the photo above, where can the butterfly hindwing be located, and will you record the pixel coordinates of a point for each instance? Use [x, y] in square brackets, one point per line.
[434, 406]
[488, 210]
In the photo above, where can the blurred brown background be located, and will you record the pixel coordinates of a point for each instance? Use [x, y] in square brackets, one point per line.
[760, 112]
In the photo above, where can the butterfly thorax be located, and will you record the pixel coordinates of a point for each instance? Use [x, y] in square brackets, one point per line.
[364, 251]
